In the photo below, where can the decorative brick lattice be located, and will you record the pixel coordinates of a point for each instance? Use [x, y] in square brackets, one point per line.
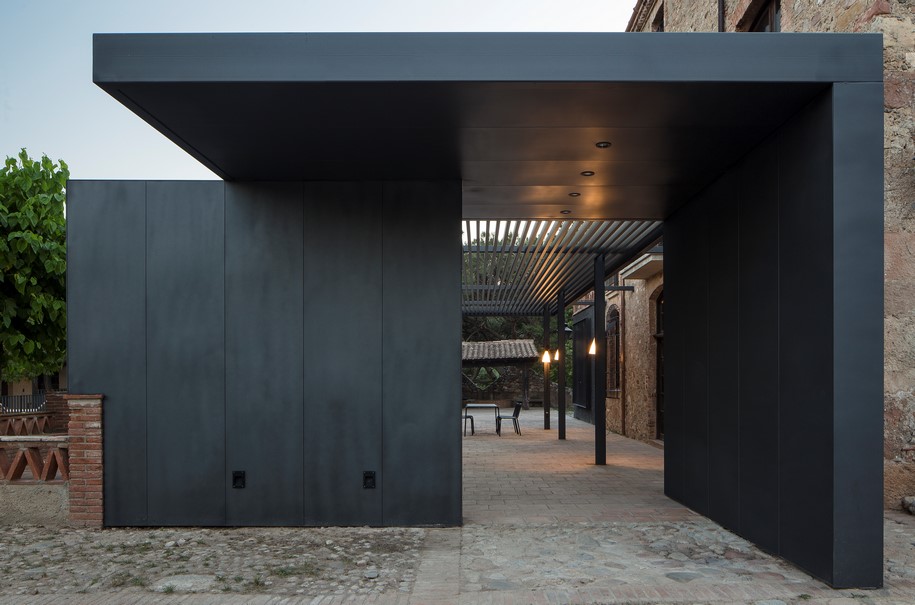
[42, 466]
[25, 424]
[86, 479]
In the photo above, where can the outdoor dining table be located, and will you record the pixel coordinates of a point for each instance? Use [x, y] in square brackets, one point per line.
[484, 406]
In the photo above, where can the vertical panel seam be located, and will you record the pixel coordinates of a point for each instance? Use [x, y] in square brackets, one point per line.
[684, 401]
[737, 356]
[778, 342]
[832, 354]
[304, 357]
[225, 370]
[146, 336]
[708, 433]
[383, 230]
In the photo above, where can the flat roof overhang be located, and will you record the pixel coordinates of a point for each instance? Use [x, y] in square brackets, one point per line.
[515, 117]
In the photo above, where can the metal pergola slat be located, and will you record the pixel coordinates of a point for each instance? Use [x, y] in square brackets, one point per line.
[517, 267]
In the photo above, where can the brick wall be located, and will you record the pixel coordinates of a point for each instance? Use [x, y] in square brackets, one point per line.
[86, 479]
[58, 411]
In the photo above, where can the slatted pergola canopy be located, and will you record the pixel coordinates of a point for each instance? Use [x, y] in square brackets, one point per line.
[517, 267]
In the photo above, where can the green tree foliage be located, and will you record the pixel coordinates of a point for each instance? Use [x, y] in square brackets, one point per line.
[33, 325]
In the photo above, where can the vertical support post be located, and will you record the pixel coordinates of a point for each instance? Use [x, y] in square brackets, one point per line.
[546, 369]
[857, 328]
[561, 368]
[525, 387]
[600, 364]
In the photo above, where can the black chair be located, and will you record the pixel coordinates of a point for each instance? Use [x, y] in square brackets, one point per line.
[467, 417]
[513, 418]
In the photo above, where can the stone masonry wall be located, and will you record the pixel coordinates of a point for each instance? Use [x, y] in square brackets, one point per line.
[895, 19]
[44, 504]
[641, 352]
[639, 361]
[685, 16]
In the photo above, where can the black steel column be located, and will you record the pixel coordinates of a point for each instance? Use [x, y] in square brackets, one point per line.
[561, 368]
[546, 369]
[600, 364]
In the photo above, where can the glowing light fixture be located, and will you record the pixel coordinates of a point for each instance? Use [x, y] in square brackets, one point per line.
[592, 350]
[546, 357]
[556, 355]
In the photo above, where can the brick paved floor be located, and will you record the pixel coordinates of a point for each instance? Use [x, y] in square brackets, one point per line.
[535, 478]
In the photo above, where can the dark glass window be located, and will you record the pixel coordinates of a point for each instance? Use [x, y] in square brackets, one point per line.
[613, 351]
[657, 25]
[769, 17]
[582, 362]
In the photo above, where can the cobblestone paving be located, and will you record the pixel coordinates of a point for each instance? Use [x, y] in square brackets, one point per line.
[542, 526]
[277, 561]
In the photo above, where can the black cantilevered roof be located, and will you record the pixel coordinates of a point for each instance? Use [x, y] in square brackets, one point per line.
[616, 128]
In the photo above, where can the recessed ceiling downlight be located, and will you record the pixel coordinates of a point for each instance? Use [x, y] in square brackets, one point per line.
[565, 212]
[603, 144]
[587, 173]
[574, 194]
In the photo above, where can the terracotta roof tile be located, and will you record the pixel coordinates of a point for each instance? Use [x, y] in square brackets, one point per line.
[497, 350]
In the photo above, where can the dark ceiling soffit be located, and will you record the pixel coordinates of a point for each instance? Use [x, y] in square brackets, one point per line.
[172, 136]
[486, 57]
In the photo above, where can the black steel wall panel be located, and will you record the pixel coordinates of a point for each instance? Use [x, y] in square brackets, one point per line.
[421, 355]
[265, 353]
[798, 272]
[106, 334]
[343, 353]
[858, 331]
[287, 330]
[723, 353]
[757, 426]
[805, 332]
[185, 353]
[676, 294]
[696, 377]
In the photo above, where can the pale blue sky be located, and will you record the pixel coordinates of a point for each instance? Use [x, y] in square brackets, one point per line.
[48, 103]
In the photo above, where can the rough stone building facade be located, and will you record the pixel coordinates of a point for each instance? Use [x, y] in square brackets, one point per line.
[634, 336]
[895, 19]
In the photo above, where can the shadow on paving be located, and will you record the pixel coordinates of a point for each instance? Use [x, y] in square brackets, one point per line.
[535, 478]
[540, 516]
